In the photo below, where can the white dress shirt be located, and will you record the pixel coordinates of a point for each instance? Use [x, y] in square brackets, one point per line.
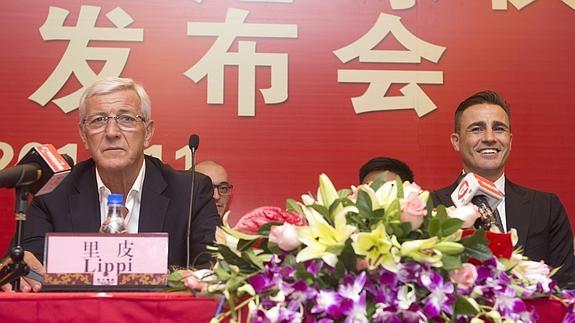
[131, 202]
[500, 183]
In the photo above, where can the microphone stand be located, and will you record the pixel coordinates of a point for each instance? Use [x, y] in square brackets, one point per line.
[13, 271]
[188, 232]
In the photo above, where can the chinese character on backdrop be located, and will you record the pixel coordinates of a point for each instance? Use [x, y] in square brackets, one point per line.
[77, 55]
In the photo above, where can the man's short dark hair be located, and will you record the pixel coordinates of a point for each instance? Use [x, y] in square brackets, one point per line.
[386, 164]
[489, 97]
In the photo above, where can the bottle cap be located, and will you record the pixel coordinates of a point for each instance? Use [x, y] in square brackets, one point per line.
[115, 199]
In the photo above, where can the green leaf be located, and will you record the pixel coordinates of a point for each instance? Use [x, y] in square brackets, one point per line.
[450, 226]
[393, 212]
[401, 229]
[175, 280]
[476, 246]
[441, 212]
[451, 262]
[332, 208]
[399, 184]
[363, 203]
[251, 257]
[463, 306]
[357, 220]
[234, 259]
[245, 244]
[343, 193]
[376, 184]
[294, 206]
[238, 234]
[434, 227]
[222, 271]
[321, 210]
[348, 257]
[379, 213]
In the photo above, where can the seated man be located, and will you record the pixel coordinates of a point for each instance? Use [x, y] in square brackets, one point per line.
[222, 186]
[116, 126]
[483, 139]
[391, 167]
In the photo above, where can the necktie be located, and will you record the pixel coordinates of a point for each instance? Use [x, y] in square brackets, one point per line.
[498, 220]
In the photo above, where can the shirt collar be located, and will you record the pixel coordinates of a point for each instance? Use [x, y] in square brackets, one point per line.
[500, 183]
[136, 189]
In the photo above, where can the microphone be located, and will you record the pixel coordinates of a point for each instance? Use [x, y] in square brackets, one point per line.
[482, 193]
[193, 144]
[39, 172]
[41, 169]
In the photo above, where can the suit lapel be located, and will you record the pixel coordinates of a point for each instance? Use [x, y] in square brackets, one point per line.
[517, 210]
[84, 204]
[153, 205]
[444, 195]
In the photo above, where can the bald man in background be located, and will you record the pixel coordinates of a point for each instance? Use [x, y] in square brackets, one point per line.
[222, 187]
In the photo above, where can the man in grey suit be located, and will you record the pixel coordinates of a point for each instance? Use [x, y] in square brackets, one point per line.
[483, 139]
[116, 126]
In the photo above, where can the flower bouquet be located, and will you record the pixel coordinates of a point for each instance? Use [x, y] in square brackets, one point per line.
[372, 253]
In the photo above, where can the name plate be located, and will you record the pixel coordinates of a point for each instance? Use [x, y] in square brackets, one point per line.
[100, 260]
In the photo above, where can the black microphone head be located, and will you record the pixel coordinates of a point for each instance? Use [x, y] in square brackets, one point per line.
[480, 199]
[68, 160]
[194, 142]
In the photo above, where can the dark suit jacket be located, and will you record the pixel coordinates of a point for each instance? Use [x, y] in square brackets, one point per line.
[541, 222]
[74, 207]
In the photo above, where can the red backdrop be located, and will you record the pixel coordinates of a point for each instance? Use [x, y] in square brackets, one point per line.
[525, 54]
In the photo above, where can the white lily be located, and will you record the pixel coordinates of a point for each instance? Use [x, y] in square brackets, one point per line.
[321, 239]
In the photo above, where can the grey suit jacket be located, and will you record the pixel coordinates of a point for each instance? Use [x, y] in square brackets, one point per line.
[541, 222]
[74, 207]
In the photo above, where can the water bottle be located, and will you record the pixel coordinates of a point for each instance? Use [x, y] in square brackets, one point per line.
[114, 222]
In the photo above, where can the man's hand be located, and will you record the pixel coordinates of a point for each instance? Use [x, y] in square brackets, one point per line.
[28, 284]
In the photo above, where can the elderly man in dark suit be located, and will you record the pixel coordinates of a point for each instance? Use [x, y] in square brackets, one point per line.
[483, 139]
[116, 127]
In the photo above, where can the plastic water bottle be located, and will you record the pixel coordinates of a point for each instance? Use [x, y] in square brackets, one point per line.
[114, 222]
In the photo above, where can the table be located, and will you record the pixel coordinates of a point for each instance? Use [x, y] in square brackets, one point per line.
[145, 307]
[106, 307]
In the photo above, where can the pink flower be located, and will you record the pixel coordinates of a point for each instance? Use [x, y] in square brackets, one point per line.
[464, 276]
[285, 236]
[413, 211]
[251, 222]
[409, 188]
[467, 213]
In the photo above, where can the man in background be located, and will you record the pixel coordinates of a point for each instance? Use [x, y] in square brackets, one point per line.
[387, 167]
[222, 187]
[483, 140]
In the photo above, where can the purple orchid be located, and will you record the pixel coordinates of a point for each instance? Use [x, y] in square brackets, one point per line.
[352, 286]
[441, 297]
[331, 303]
[357, 314]
[511, 307]
[390, 314]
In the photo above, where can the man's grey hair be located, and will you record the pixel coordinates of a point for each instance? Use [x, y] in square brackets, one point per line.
[115, 84]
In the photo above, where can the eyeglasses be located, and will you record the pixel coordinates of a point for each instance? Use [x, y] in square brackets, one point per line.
[126, 122]
[224, 188]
